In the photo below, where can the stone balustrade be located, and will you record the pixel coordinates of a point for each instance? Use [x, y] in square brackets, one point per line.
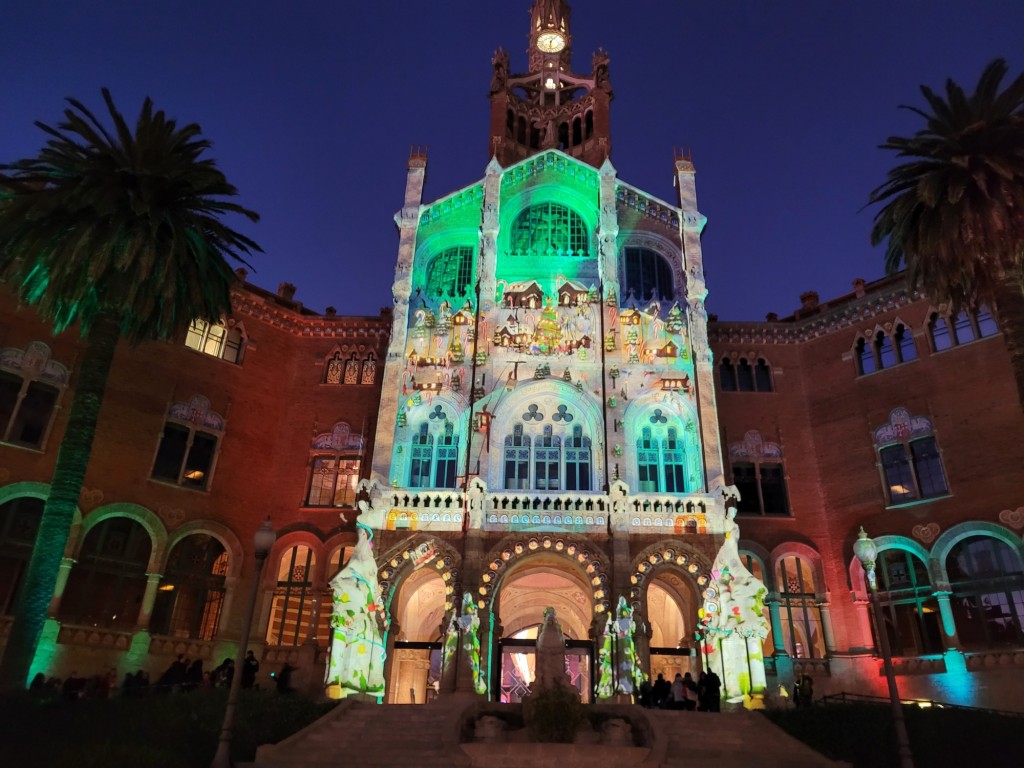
[982, 660]
[165, 645]
[812, 667]
[917, 665]
[96, 637]
[565, 511]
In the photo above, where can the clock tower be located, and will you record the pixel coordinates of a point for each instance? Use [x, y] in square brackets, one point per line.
[550, 106]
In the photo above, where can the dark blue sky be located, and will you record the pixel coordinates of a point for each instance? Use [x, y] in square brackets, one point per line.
[312, 108]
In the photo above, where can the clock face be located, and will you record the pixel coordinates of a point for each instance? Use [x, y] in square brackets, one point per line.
[550, 42]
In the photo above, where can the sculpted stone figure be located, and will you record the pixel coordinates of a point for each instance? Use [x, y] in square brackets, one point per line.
[358, 623]
[550, 665]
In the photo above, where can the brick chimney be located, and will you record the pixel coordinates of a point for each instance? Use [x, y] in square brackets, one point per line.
[808, 301]
[858, 287]
[286, 291]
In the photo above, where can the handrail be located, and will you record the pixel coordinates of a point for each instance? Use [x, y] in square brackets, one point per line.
[845, 697]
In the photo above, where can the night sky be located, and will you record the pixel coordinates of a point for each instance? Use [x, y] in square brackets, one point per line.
[312, 108]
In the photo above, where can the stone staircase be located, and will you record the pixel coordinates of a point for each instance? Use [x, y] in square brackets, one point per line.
[728, 739]
[368, 735]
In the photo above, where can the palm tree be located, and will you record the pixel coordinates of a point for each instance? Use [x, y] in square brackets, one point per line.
[954, 212]
[119, 233]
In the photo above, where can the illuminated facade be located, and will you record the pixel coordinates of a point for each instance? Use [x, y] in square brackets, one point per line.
[549, 411]
[546, 418]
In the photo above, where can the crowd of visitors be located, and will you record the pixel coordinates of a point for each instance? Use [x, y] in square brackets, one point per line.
[703, 694]
[183, 675]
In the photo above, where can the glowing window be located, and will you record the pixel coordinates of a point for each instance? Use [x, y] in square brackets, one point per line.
[291, 612]
[215, 340]
[450, 272]
[549, 229]
[190, 597]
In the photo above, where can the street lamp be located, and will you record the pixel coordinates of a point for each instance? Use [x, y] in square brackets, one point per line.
[262, 542]
[866, 551]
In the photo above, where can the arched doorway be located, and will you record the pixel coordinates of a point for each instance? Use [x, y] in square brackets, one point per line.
[671, 615]
[418, 610]
[542, 581]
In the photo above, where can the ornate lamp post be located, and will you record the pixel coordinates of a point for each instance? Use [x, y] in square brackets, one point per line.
[866, 551]
[262, 541]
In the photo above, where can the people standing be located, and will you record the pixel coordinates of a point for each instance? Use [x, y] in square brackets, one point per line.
[689, 693]
[661, 692]
[713, 692]
[249, 669]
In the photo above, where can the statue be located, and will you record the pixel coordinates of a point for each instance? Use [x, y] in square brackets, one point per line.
[549, 670]
[500, 78]
[741, 594]
[358, 623]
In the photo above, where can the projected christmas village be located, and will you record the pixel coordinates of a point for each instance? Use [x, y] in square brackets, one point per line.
[547, 432]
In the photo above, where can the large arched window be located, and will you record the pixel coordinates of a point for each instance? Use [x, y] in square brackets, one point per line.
[988, 592]
[19, 524]
[910, 610]
[647, 275]
[450, 272]
[216, 340]
[106, 585]
[800, 614]
[292, 609]
[549, 229]
[191, 593]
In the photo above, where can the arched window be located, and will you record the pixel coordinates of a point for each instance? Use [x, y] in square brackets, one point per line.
[30, 386]
[647, 274]
[745, 376]
[963, 327]
[800, 614]
[188, 446]
[909, 458]
[552, 458]
[905, 344]
[292, 608]
[450, 272]
[517, 460]
[422, 458]
[866, 362]
[549, 229]
[939, 330]
[987, 580]
[19, 524]
[577, 461]
[662, 461]
[762, 376]
[334, 368]
[191, 593]
[885, 350]
[215, 340]
[434, 457]
[910, 610]
[369, 370]
[727, 374]
[352, 369]
[106, 585]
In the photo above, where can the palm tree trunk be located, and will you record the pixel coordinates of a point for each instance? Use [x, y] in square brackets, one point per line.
[33, 604]
[1010, 313]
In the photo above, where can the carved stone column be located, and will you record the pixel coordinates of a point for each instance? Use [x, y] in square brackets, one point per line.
[148, 599]
[824, 606]
[948, 633]
[62, 581]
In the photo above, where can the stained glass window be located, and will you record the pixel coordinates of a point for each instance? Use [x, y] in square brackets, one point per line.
[517, 460]
[447, 458]
[291, 612]
[549, 229]
[334, 368]
[215, 340]
[648, 275]
[450, 272]
[422, 458]
[369, 370]
[333, 481]
[577, 461]
[352, 370]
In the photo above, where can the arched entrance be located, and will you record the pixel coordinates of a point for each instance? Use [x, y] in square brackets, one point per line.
[671, 614]
[543, 580]
[418, 611]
